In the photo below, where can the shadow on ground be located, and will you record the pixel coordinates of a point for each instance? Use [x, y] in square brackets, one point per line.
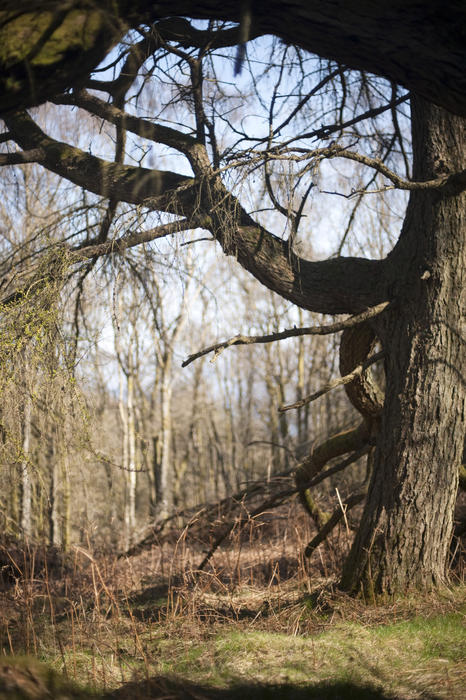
[158, 688]
[27, 679]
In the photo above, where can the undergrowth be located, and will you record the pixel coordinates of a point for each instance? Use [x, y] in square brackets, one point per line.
[259, 622]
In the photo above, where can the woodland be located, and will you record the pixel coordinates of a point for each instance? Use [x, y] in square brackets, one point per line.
[232, 349]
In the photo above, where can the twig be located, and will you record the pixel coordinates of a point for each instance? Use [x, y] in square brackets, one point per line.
[343, 508]
[289, 333]
[130, 240]
[453, 182]
[336, 382]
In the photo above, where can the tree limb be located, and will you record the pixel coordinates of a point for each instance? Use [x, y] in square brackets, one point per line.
[160, 189]
[340, 381]
[453, 181]
[334, 286]
[141, 127]
[290, 333]
[133, 239]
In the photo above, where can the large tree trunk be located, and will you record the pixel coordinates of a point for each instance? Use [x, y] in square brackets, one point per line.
[407, 522]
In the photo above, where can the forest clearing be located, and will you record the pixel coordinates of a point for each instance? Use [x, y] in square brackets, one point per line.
[232, 349]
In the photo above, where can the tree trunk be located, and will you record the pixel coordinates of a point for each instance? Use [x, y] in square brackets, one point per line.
[124, 458]
[54, 488]
[66, 505]
[131, 474]
[26, 484]
[406, 527]
[163, 476]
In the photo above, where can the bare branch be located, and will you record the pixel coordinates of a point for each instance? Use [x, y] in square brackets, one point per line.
[108, 179]
[290, 333]
[266, 256]
[210, 511]
[143, 128]
[336, 382]
[277, 499]
[134, 239]
[326, 131]
[456, 182]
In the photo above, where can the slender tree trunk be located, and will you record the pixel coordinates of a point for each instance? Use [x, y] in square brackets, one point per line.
[26, 484]
[163, 474]
[407, 523]
[54, 501]
[124, 457]
[300, 418]
[273, 415]
[66, 487]
[131, 474]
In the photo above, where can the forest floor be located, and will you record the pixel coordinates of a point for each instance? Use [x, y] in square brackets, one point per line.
[257, 623]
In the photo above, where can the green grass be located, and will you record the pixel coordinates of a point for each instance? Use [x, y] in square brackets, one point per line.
[407, 659]
[423, 657]
[232, 642]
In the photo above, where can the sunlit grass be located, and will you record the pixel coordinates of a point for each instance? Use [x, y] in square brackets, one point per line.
[419, 657]
[121, 630]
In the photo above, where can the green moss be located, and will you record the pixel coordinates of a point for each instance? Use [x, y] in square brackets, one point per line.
[32, 36]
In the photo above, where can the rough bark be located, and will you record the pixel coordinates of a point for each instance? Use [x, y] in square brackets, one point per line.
[407, 522]
[421, 45]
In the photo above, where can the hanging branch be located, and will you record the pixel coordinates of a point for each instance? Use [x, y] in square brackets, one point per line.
[289, 333]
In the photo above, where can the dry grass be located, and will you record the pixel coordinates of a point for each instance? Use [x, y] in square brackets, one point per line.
[258, 622]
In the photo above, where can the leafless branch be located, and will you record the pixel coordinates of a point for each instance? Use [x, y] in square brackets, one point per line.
[454, 181]
[290, 333]
[133, 239]
[336, 382]
[207, 512]
[277, 499]
[141, 127]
